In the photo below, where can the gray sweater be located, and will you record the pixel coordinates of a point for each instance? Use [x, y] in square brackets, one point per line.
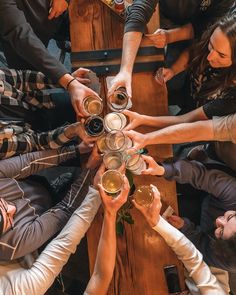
[35, 222]
[222, 190]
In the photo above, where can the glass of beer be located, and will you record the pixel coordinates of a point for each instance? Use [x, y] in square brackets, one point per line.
[93, 105]
[113, 160]
[118, 101]
[117, 141]
[94, 126]
[101, 144]
[135, 163]
[112, 182]
[114, 121]
[143, 195]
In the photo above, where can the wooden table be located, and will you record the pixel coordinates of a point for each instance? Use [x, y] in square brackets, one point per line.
[141, 252]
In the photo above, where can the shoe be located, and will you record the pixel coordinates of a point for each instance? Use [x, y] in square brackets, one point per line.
[61, 182]
[198, 153]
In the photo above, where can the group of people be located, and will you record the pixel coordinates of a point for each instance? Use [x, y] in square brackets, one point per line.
[39, 131]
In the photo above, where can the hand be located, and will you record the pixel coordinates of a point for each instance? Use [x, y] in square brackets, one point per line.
[138, 139]
[151, 213]
[159, 38]
[153, 167]
[81, 75]
[78, 92]
[57, 8]
[176, 221]
[78, 130]
[135, 120]
[98, 176]
[163, 75]
[95, 159]
[122, 79]
[112, 205]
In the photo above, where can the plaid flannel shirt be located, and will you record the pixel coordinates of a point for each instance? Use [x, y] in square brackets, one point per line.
[26, 89]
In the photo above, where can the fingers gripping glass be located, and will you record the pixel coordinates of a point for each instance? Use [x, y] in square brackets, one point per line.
[4, 206]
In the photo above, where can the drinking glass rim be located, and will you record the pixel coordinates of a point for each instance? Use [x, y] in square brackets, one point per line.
[114, 113]
[115, 131]
[98, 98]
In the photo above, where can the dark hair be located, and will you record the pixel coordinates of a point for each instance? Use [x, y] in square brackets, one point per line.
[227, 76]
[226, 249]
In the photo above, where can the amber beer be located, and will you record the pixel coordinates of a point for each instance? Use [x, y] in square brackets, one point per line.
[93, 105]
[112, 182]
[143, 195]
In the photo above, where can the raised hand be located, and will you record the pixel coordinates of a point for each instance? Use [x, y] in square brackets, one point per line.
[57, 8]
[81, 75]
[137, 138]
[151, 213]
[135, 120]
[159, 38]
[153, 167]
[122, 79]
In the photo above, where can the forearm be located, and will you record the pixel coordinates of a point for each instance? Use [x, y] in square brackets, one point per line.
[165, 121]
[184, 132]
[105, 260]
[181, 33]
[50, 262]
[25, 165]
[131, 42]
[191, 258]
[181, 63]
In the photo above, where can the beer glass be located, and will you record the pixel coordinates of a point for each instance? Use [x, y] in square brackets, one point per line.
[113, 160]
[118, 101]
[112, 182]
[117, 141]
[135, 163]
[93, 105]
[93, 126]
[114, 121]
[143, 195]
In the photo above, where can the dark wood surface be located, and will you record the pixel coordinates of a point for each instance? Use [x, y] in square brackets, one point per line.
[141, 252]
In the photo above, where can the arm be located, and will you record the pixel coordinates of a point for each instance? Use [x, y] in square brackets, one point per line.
[191, 258]
[136, 120]
[39, 278]
[15, 144]
[213, 181]
[183, 248]
[106, 255]
[138, 15]
[26, 80]
[25, 165]
[14, 26]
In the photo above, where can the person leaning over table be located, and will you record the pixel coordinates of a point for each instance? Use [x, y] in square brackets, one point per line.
[31, 212]
[185, 250]
[26, 28]
[215, 238]
[177, 129]
[15, 280]
[184, 18]
[30, 118]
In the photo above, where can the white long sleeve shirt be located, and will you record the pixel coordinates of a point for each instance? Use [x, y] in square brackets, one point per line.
[192, 259]
[15, 280]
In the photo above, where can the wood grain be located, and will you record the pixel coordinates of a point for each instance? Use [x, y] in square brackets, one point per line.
[141, 252]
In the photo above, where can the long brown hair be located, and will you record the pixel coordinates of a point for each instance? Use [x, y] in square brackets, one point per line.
[227, 76]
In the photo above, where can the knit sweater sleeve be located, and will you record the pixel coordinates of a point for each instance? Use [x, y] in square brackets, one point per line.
[191, 258]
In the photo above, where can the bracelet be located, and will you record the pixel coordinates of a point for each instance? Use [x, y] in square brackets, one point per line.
[68, 84]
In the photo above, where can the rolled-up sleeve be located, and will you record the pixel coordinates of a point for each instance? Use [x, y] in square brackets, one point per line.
[225, 128]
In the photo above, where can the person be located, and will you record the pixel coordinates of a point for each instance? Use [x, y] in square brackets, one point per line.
[31, 213]
[215, 238]
[36, 280]
[33, 24]
[30, 117]
[182, 18]
[174, 129]
[192, 259]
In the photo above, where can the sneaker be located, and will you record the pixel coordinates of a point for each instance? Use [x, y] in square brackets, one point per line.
[61, 182]
[198, 153]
